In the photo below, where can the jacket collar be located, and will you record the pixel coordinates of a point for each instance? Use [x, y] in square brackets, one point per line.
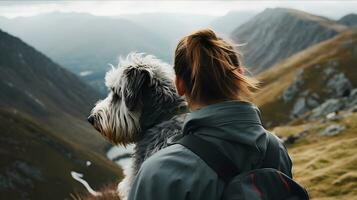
[226, 112]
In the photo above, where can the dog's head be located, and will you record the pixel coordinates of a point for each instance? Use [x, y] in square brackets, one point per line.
[141, 91]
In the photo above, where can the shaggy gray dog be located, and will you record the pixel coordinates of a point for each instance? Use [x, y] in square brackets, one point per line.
[142, 107]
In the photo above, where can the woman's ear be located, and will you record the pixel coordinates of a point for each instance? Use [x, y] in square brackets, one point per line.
[179, 86]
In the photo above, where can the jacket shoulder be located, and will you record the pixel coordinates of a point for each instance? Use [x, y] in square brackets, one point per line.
[173, 158]
[174, 173]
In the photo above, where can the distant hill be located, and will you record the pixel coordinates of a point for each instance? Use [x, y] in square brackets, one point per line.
[227, 23]
[349, 20]
[43, 110]
[278, 33]
[170, 26]
[309, 78]
[84, 43]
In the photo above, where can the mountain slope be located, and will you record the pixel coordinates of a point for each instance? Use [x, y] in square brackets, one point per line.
[278, 33]
[84, 43]
[33, 84]
[309, 78]
[349, 20]
[36, 164]
[44, 132]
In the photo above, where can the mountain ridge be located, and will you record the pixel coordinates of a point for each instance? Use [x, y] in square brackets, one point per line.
[349, 20]
[281, 32]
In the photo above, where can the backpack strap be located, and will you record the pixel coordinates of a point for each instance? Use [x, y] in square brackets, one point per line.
[216, 160]
[219, 162]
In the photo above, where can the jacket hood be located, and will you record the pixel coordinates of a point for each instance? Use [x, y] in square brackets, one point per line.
[234, 126]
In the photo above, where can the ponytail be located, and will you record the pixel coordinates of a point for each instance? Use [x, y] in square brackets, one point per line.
[211, 68]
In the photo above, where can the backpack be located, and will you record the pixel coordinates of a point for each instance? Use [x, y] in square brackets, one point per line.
[265, 183]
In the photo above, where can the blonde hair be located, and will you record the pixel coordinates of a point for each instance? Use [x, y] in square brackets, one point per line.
[211, 68]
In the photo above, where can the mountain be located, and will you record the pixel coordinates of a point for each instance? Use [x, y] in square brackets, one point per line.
[84, 43]
[34, 84]
[312, 80]
[349, 20]
[224, 25]
[44, 133]
[275, 34]
[36, 163]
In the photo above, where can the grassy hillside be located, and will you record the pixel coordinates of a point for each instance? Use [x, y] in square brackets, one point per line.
[325, 165]
[337, 55]
[36, 164]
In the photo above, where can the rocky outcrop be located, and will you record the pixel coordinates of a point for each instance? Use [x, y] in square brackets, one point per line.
[290, 92]
[329, 106]
[334, 105]
[339, 85]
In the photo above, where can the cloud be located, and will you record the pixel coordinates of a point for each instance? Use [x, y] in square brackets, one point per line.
[333, 9]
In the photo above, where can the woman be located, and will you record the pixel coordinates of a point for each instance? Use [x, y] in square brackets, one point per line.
[210, 76]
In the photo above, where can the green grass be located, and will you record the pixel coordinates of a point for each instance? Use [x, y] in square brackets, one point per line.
[326, 166]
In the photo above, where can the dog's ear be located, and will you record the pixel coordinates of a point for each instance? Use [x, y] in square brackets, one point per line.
[136, 81]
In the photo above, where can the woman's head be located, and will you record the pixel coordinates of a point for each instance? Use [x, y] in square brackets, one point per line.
[208, 69]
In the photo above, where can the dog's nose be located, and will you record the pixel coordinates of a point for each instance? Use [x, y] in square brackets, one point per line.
[91, 119]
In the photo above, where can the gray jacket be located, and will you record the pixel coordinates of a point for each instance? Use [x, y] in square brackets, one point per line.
[176, 173]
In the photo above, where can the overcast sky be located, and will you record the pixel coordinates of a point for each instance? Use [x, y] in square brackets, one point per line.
[332, 9]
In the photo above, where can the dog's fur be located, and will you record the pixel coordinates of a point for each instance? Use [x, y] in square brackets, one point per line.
[142, 107]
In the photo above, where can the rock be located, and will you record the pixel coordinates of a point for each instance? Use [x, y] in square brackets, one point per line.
[352, 99]
[332, 130]
[290, 92]
[304, 103]
[328, 71]
[333, 63]
[312, 100]
[329, 106]
[304, 93]
[333, 116]
[292, 138]
[339, 85]
[299, 108]
[354, 109]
